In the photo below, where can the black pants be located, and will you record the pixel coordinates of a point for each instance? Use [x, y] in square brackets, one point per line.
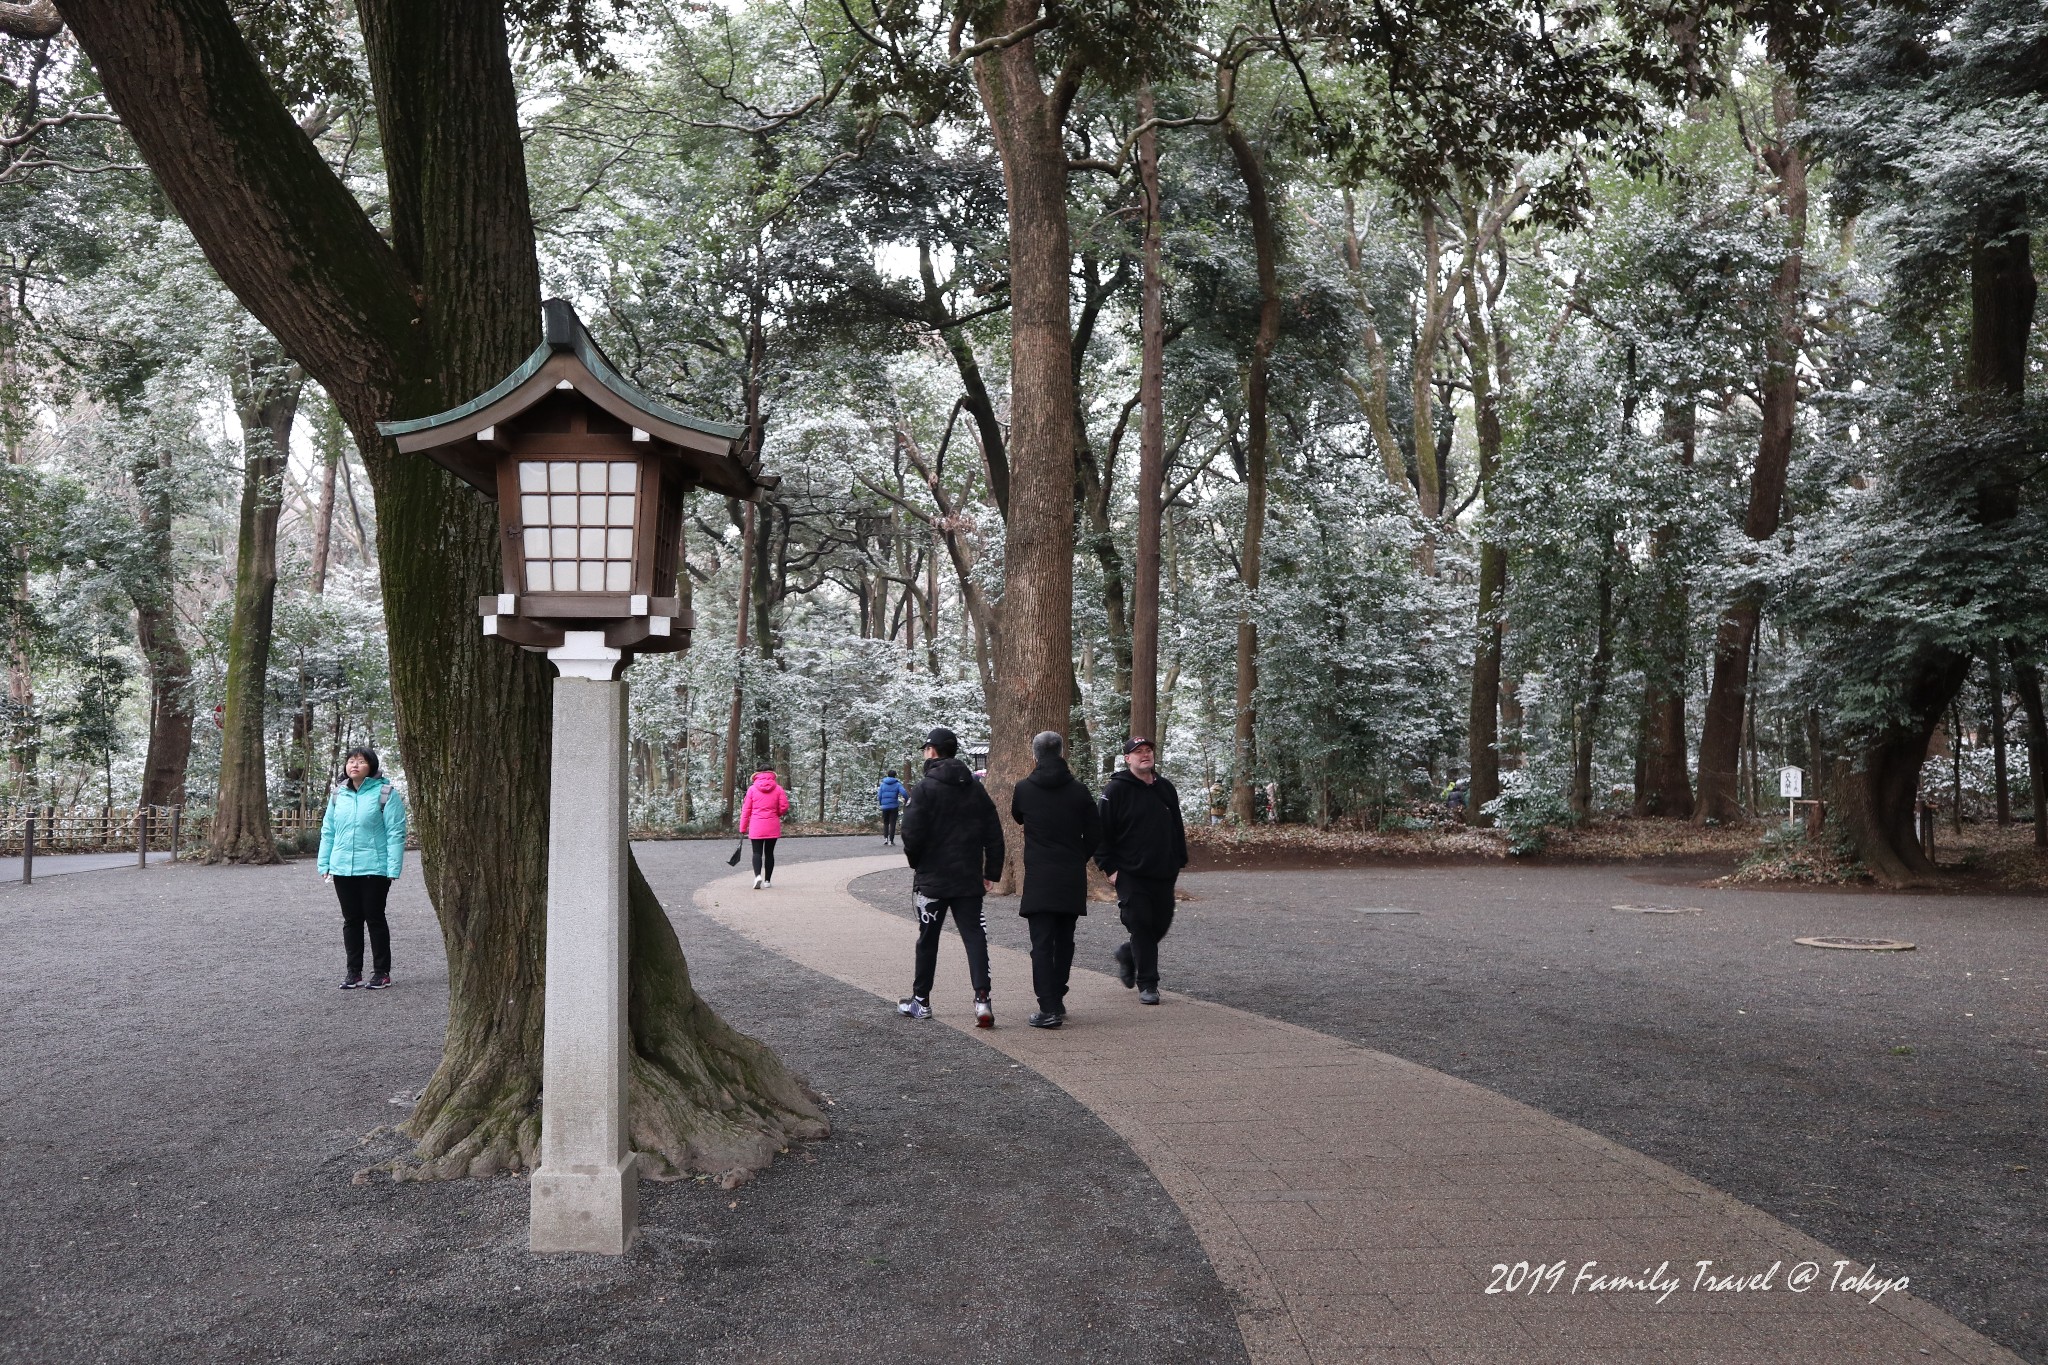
[1145, 905]
[1052, 959]
[889, 822]
[973, 926]
[764, 858]
[362, 903]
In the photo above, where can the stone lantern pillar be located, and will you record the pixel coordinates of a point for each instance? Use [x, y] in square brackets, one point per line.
[589, 475]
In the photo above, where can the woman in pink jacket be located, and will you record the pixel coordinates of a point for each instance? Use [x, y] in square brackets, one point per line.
[761, 821]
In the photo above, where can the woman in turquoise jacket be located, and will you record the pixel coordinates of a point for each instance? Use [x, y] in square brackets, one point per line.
[362, 851]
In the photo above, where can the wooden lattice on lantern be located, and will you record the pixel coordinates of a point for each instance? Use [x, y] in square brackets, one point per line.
[589, 475]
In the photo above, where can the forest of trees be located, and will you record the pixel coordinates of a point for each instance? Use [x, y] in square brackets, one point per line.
[1606, 402]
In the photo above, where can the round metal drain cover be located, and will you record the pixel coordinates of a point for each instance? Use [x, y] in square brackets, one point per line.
[1661, 909]
[1866, 945]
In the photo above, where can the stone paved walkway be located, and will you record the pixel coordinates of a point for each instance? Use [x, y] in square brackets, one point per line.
[1358, 1204]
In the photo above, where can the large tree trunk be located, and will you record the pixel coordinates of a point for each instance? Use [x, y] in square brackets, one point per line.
[1994, 686]
[1034, 643]
[332, 436]
[1877, 795]
[1429, 480]
[1151, 444]
[403, 330]
[156, 634]
[1664, 786]
[1586, 717]
[1483, 715]
[2026, 680]
[1266, 249]
[1735, 634]
[267, 398]
[728, 792]
[1095, 491]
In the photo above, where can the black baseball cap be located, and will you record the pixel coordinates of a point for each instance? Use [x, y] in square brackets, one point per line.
[944, 740]
[1138, 742]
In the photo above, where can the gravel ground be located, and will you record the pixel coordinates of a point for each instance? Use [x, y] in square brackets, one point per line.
[188, 1097]
[1889, 1104]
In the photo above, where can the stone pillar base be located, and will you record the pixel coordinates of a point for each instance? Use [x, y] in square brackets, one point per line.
[585, 1209]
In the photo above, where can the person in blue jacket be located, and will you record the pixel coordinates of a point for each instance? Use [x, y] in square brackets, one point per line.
[362, 851]
[890, 797]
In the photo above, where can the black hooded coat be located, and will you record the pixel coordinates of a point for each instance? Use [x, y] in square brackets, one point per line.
[1061, 829]
[952, 836]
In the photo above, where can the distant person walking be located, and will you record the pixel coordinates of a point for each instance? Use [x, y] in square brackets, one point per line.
[1144, 847]
[761, 821]
[1061, 828]
[362, 851]
[889, 796]
[953, 840]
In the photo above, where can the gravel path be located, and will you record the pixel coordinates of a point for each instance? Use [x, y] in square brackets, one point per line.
[1888, 1104]
[188, 1097]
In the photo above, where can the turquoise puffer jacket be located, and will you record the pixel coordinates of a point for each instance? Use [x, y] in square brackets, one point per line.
[363, 834]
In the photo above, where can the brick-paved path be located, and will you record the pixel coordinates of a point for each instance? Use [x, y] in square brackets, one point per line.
[1357, 1203]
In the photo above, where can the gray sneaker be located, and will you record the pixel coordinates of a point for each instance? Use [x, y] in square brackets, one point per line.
[1148, 995]
[1040, 1019]
[1126, 966]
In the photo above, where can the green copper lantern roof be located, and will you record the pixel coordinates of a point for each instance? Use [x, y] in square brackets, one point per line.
[562, 330]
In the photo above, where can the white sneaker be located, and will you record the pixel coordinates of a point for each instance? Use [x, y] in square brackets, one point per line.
[757, 881]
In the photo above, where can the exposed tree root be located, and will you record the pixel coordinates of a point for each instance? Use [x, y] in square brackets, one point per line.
[704, 1099]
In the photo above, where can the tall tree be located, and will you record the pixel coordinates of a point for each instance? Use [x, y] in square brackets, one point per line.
[1927, 115]
[153, 591]
[406, 327]
[1258, 386]
[1035, 643]
[1735, 632]
[266, 388]
[1151, 437]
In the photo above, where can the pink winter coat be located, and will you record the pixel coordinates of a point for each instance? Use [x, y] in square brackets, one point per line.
[761, 813]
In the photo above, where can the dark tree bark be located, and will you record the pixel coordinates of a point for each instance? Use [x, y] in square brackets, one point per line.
[1151, 444]
[1586, 719]
[403, 329]
[332, 435]
[1483, 716]
[1096, 487]
[1877, 795]
[1735, 634]
[2026, 680]
[1994, 682]
[156, 634]
[1664, 784]
[1034, 644]
[1266, 250]
[267, 387]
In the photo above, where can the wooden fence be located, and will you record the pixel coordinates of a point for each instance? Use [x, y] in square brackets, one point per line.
[117, 829]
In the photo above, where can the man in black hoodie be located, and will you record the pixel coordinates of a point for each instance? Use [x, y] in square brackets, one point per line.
[953, 840]
[1061, 828]
[1144, 847]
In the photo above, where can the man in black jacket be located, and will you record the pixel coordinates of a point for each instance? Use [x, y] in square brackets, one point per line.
[1061, 828]
[953, 839]
[1144, 847]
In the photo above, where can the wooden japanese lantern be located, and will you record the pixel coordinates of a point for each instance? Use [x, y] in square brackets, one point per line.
[589, 475]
